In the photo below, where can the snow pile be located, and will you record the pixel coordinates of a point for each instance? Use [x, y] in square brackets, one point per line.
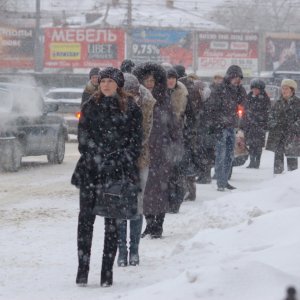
[234, 245]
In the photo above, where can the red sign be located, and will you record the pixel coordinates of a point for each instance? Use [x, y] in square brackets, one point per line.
[83, 48]
[219, 50]
[16, 48]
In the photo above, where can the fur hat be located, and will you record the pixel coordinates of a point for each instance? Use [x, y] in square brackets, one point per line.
[127, 66]
[94, 71]
[257, 83]
[143, 70]
[290, 83]
[132, 84]
[114, 74]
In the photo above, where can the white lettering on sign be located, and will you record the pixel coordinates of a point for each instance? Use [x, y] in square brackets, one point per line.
[83, 35]
[11, 43]
[219, 45]
[239, 46]
[16, 32]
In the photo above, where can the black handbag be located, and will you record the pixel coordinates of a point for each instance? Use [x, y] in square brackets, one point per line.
[117, 199]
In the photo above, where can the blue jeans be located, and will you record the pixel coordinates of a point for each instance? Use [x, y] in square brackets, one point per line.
[224, 156]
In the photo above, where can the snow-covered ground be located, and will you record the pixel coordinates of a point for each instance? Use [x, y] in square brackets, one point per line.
[234, 245]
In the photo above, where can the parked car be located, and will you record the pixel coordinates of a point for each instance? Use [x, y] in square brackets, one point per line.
[26, 128]
[273, 92]
[68, 101]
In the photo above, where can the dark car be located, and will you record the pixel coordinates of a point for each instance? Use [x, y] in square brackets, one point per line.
[26, 129]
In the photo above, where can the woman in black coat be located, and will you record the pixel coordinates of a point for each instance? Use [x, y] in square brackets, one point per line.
[110, 137]
[163, 135]
[284, 128]
[257, 107]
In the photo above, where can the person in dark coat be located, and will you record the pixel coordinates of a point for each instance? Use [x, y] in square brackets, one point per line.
[127, 66]
[205, 140]
[222, 107]
[110, 137]
[163, 134]
[190, 133]
[255, 120]
[179, 96]
[284, 128]
[92, 85]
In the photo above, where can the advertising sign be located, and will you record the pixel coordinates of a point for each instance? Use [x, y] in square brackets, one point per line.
[16, 48]
[282, 52]
[219, 50]
[158, 45]
[83, 48]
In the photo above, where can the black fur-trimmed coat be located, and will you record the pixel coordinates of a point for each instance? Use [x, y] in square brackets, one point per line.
[163, 134]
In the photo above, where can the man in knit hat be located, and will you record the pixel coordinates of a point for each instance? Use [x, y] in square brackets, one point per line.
[92, 85]
[222, 107]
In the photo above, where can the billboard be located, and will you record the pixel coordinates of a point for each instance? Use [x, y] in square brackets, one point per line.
[218, 50]
[162, 45]
[83, 47]
[282, 52]
[16, 48]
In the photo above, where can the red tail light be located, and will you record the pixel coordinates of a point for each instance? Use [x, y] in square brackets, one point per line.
[78, 115]
[240, 111]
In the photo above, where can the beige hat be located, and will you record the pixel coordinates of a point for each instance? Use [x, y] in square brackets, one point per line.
[290, 83]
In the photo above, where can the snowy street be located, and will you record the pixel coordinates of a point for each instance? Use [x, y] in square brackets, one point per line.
[241, 244]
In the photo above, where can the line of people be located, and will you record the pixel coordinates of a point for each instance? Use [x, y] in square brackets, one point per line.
[164, 129]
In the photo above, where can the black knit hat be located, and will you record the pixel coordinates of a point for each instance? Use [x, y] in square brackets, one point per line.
[234, 71]
[171, 73]
[94, 71]
[257, 83]
[114, 74]
[127, 66]
[180, 69]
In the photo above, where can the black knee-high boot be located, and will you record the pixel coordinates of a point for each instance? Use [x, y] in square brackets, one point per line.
[149, 225]
[85, 228]
[109, 251]
[158, 226]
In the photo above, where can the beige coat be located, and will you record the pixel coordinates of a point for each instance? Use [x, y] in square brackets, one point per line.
[146, 103]
[179, 99]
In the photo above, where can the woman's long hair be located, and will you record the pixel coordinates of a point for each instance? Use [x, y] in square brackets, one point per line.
[122, 97]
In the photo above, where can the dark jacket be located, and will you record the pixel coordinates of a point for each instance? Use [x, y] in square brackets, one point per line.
[222, 106]
[163, 134]
[255, 119]
[284, 126]
[110, 142]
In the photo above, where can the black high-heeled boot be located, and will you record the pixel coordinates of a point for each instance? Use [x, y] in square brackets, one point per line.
[106, 278]
[82, 276]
